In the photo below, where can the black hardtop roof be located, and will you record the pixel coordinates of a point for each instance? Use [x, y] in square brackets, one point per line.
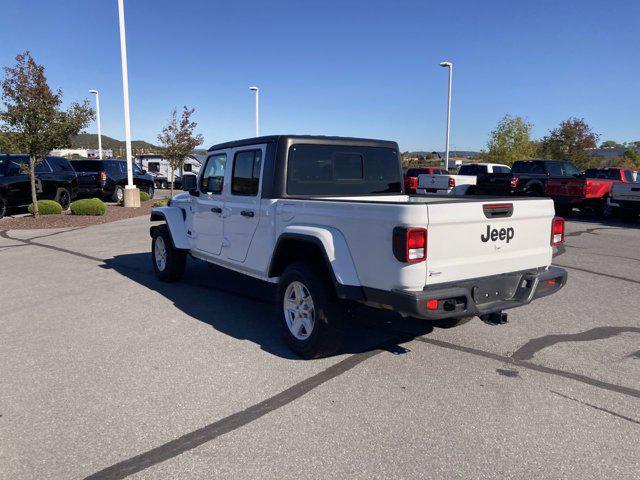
[315, 139]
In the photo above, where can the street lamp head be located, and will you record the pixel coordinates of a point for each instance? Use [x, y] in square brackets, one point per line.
[255, 89]
[95, 92]
[446, 64]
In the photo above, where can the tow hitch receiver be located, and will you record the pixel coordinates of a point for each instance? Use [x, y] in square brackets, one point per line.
[496, 318]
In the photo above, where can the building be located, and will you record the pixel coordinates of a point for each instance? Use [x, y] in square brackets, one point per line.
[82, 153]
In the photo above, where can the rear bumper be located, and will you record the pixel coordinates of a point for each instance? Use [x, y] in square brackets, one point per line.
[479, 296]
[92, 191]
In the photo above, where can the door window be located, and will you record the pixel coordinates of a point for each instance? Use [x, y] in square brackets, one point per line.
[212, 178]
[246, 172]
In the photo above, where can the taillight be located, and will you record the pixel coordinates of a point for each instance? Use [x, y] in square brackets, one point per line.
[103, 177]
[410, 244]
[557, 231]
[514, 182]
[413, 183]
[452, 182]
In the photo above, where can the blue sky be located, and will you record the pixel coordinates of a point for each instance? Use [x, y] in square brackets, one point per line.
[355, 68]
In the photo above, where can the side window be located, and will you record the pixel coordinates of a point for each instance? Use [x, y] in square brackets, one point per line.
[136, 169]
[481, 169]
[153, 167]
[628, 176]
[187, 167]
[43, 167]
[246, 172]
[466, 170]
[212, 178]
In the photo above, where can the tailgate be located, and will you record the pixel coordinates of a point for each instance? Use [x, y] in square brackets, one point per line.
[629, 192]
[437, 182]
[471, 239]
[88, 179]
[565, 187]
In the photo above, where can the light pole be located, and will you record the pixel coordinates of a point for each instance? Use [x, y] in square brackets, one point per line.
[131, 193]
[95, 92]
[448, 65]
[257, 90]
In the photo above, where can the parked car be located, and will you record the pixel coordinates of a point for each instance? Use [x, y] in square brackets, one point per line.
[411, 176]
[327, 220]
[625, 197]
[108, 178]
[55, 180]
[481, 168]
[458, 184]
[527, 177]
[591, 191]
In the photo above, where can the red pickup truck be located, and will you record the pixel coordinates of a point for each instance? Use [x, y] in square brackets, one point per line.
[590, 191]
[411, 176]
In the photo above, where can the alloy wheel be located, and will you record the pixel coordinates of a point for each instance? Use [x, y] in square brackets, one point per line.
[299, 312]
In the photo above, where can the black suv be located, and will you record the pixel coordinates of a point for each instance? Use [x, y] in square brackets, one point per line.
[107, 178]
[55, 180]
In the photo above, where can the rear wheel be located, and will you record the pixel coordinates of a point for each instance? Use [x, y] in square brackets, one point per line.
[563, 210]
[311, 316]
[118, 194]
[63, 197]
[168, 262]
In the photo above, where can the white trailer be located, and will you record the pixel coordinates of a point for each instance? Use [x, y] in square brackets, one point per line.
[158, 167]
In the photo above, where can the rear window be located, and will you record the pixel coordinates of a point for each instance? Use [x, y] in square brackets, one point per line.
[631, 176]
[87, 166]
[343, 170]
[498, 169]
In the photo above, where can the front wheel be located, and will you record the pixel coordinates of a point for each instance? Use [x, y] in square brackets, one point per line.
[311, 316]
[168, 262]
[63, 197]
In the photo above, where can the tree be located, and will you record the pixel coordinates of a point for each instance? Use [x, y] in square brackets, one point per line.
[510, 141]
[632, 157]
[570, 141]
[611, 144]
[177, 139]
[32, 116]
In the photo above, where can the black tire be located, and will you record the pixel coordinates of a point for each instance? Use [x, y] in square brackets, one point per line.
[63, 197]
[3, 207]
[451, 322]
[118, 194]
[563, 210]
[534, 191]
[628, 216]
[605, 211]
[164, 185]
[472, 190]
[172, 268]
[329, 316]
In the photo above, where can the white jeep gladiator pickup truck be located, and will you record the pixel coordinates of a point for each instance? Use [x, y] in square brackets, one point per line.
[326, 218]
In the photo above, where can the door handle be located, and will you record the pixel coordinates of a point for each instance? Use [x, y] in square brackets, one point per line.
[216, 210]
[247, 213]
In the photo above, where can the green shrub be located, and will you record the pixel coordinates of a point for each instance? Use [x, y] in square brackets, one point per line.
[144, 196]
[47, 207]
[160, 203]
[88, 206]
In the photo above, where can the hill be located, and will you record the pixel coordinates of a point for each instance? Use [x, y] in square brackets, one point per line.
[90, 140]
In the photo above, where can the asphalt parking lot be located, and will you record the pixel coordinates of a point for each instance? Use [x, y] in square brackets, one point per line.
[107, 373]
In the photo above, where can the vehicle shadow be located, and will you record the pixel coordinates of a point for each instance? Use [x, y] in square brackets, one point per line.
[590, 217]
[243, 308]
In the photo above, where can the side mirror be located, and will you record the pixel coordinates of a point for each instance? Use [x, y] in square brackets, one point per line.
[189, 182]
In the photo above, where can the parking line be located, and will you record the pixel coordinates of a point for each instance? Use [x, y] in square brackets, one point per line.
[228, 424]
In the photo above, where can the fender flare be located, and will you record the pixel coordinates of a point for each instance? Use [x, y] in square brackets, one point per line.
[174, 218]
[336, 254]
